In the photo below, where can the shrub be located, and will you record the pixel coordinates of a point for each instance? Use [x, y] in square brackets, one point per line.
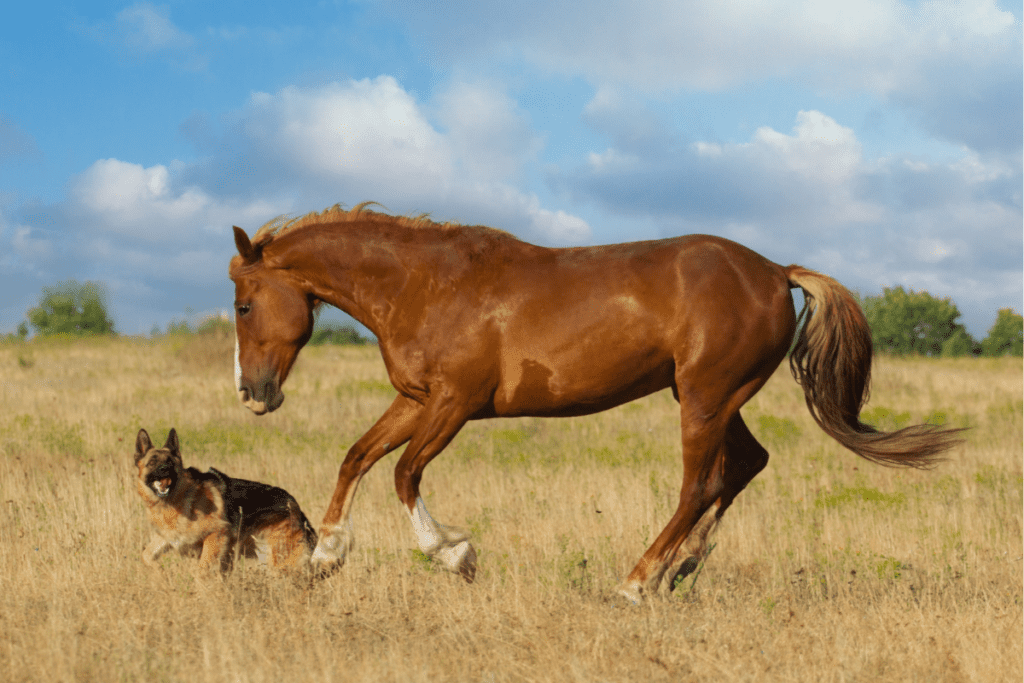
[1006, 338]
[336, 334]
[71, 308]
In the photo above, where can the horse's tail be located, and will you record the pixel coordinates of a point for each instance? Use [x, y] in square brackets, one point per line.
[831, 360]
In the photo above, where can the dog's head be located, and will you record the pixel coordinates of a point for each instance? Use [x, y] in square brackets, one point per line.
[159, 468]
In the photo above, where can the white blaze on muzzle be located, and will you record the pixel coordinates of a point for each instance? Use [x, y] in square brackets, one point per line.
[238, 367]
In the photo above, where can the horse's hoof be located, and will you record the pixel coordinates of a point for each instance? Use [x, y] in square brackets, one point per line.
[460, 559]
[322, 570]
[688, 566]
[633, 592]
[329, 554]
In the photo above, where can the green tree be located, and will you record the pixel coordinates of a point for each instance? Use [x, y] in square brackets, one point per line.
[912, 322]
[336, 334]
[961, 343]
[71, 308]
[17, 337]
[1006, 338]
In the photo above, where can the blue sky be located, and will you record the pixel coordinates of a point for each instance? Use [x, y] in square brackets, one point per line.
[876, 140]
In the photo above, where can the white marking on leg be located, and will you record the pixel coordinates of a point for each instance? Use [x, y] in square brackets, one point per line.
[334, 546]
[451, 546]
[453, 557]
[632, 591]
[262, 549]
[428, 532]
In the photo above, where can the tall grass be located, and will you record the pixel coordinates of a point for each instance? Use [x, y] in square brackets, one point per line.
[825, 568]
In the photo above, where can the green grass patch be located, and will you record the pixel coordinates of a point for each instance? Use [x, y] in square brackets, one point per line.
[885, 419]
[571, 567]
[421, 560]
[777, 431]
[889, 568]
[990, 476]
[507, 446]
[28, 434]
[374, 387]
[1010, 413]
[858, 494]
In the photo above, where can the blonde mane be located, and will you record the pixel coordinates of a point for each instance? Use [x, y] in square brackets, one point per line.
[282, 225]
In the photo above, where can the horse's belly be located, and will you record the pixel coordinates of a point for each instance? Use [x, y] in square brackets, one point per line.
[581, 387]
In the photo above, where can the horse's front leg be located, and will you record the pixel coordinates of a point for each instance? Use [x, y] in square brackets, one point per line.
[443, 417]
[392, 430]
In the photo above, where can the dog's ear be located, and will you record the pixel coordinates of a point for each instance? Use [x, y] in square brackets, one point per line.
[172, 444]
[142, 445]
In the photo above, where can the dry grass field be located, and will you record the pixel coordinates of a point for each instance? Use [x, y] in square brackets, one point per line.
[827, 568]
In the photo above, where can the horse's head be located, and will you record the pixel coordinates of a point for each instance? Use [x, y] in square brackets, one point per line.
[273, 321]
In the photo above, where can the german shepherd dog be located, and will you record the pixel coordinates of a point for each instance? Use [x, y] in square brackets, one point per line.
[216, 516]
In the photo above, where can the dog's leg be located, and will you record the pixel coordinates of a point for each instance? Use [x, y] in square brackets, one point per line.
[157, 547]
[285, 544]
[216, 552]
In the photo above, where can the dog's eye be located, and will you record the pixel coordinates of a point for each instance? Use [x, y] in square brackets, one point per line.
[243, 309]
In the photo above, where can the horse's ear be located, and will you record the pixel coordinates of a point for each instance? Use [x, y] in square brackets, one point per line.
[245, 249]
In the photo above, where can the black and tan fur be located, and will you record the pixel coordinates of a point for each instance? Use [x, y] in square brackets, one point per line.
[215, 516]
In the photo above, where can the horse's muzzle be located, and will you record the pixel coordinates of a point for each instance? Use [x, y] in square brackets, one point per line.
[271, 400]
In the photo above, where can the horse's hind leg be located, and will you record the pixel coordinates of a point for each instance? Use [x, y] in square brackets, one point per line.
[744, 458]
[720, 457]
[392, 430]
[703, 484]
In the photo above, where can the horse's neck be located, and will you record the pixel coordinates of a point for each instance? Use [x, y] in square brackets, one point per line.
[361, 275]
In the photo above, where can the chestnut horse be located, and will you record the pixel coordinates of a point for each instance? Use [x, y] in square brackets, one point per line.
[473, 323]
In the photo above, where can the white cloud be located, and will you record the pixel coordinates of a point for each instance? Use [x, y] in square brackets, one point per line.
[901, 51]
[30, 248]
[561, 226]
[810, 196]
[487, 132]
[303, 149]
[25, 251]
[289, 152]
[806, 177]
[129, 196]
[123, 199]
[657, 44]
[370, 139]
[820, 148]
[932, 250]
[148, 28]
[370, 131]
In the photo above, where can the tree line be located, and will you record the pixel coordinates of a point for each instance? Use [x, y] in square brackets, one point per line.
[902, 323]
[74, 309]
[907, 323]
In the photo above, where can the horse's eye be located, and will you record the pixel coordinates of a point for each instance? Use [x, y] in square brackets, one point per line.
[243, 309]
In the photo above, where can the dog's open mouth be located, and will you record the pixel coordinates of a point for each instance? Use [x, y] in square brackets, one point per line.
[161, 486]
[161, 480]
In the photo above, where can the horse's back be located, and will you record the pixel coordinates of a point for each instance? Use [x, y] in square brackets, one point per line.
[599, 326]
